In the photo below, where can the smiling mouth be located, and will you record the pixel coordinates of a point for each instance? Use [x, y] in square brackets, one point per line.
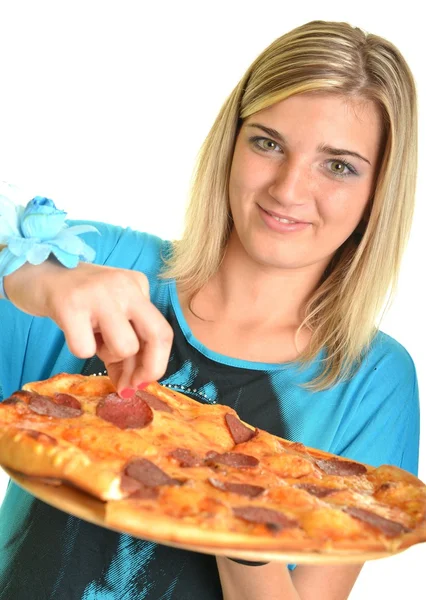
[282, 219]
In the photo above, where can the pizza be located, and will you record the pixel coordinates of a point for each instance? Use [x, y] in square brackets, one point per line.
[176, 471]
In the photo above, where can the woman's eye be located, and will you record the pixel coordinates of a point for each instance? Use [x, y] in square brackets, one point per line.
[265, 144]
[341, 168]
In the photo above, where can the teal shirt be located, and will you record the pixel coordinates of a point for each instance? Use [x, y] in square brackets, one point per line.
[372, 418]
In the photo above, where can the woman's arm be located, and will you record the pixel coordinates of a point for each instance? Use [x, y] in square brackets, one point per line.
[273, 581]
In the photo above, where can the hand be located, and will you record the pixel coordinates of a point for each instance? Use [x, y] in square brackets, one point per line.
[101, 310]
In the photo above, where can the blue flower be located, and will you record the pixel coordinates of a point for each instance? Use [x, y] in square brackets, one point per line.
[41, 219]
[32, 233]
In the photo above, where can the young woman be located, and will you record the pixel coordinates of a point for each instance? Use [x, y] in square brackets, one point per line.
[300, 212]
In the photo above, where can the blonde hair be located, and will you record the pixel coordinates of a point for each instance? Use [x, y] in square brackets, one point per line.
[317, 57]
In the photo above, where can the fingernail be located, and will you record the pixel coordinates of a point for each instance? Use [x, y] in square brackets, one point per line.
[142, 386]
[127, 393]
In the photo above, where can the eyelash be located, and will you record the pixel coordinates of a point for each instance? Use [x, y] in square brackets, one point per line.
[352, 171]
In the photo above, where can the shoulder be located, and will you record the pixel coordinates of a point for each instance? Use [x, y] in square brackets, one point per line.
[389, 357]
[126, 248]
[387, 373]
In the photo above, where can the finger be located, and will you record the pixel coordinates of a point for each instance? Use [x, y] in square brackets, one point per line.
[157, 335]
[142, 283]
[118, 335]
[114, 371]
[119, 370]
[79, 334]
[125, 385]
[149, 367]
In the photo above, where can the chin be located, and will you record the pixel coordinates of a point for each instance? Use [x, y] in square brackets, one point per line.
[283, 256]
[269, 257]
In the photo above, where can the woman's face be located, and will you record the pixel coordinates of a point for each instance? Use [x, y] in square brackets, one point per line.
[310, 161]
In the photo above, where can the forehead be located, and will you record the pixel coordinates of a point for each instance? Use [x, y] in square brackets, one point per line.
[330, 119]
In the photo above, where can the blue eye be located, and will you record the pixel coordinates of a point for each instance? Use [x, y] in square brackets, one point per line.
[345, 168]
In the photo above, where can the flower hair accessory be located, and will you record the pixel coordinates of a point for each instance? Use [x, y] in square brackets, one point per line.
[34, 232]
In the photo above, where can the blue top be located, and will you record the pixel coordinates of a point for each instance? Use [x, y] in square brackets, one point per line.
[372, 418]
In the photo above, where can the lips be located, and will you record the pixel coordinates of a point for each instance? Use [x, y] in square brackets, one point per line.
[283, 218]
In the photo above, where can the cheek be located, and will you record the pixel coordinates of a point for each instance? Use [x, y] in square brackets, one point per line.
[247, 178]
[345, 208]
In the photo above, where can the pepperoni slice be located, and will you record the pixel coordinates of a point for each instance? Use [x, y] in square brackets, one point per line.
[43, 405]
[66, 400]
[244, 489]
[186, 458]
[232, 459]
[317, 490]
[11, 400]
[19, 396]
[41, 437]
[240, 433]
[135, 489]
[148, 474]
[153, 401]
[334, 466]
[273, 519]
[386, 526]
[125, 413]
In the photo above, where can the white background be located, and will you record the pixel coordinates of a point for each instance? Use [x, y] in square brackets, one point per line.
[103, 107]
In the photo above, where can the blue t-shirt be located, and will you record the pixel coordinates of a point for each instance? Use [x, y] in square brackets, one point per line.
[47, 554]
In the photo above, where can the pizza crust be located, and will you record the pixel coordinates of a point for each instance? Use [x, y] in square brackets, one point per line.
[26, 455]
[143, 522]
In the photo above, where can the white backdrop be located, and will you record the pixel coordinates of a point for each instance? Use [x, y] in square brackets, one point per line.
[103, 107]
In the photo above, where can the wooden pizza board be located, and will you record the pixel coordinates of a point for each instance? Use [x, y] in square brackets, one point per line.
[79, 504]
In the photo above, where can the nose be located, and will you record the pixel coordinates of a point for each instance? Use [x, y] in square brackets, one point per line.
[290, 185]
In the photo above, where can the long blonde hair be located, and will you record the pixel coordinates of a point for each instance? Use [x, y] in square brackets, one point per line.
[318, 57]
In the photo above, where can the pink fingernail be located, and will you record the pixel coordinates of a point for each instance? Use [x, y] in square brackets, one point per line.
[127, 393]
[142, 385]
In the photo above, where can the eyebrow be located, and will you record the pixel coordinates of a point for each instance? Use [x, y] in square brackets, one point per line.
[323, 148]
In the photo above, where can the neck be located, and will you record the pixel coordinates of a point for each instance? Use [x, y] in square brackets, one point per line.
[246, 292]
